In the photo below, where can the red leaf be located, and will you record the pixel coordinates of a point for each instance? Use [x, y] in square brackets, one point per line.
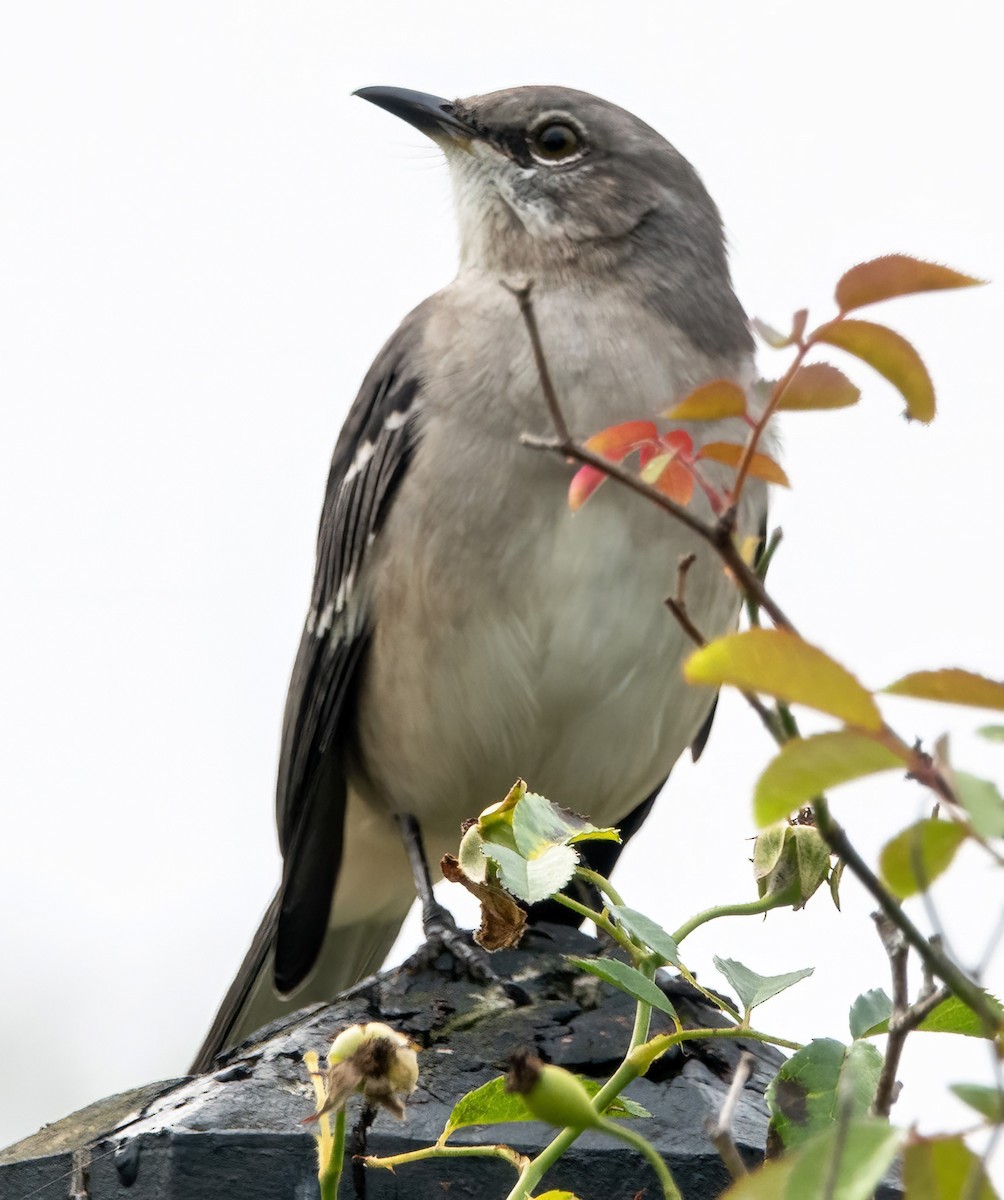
[618, 441]
[585, 481]
[679, 441]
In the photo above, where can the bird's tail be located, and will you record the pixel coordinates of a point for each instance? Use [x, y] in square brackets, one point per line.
[350, 953]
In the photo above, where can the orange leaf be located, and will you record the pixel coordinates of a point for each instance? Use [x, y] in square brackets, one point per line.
[818, 386]
[585, 481]
[618, 441]
[761, 465]
[895, 275]
[950, 686]
[890, 354]
[711, 402]
[676, 481]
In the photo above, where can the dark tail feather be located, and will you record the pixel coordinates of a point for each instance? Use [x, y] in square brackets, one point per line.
[256, 962]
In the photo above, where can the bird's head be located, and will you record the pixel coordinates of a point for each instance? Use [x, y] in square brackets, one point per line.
[545, 176]
[556, 186]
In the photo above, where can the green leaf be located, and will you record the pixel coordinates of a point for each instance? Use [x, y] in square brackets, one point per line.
[783, 665]
[952, 1015]
[895, 275]
[753, 989]
[539, 824]
[984, 803]
[987, 1101]
[862, 1154]
[950, 686]
[944, 1168]
[612, 970]
[535, 879]
[648, 932]
[992, 733]
[889, 354]
[868, 1012]
[812, 1086]
[553, 1195]
[914, 858]
[491, 1104]
[818, 386]
[806, 767]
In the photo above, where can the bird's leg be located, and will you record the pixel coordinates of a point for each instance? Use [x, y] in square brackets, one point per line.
[438, 923]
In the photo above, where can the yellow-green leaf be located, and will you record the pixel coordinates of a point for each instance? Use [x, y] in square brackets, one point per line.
[944, 1168]
[807, 767]
[895, 275]
[889, 354]
[711, 402]
[951, 686]
[761, 466]
[914, 858]
[817, 386]
[781, 664]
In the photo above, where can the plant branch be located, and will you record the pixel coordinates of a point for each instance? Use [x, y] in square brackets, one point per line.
[752, 908]
[644, 1147]
[904, 1018]
[601, 883]
[506, 1153]
[933, 957]
[720, 1131]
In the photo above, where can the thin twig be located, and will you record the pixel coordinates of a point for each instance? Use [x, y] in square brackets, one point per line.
[522, 295]
[720, 1131]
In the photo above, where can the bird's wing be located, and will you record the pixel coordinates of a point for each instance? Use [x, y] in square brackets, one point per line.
[370, 459]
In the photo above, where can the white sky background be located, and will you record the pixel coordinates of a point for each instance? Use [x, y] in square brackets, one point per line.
[203, 242]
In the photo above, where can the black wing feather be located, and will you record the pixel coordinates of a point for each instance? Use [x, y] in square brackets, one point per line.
[370, 459]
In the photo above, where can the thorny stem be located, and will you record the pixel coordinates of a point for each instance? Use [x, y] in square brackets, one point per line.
[719, 536]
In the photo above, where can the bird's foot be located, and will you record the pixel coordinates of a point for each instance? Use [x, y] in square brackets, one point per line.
[442, 933]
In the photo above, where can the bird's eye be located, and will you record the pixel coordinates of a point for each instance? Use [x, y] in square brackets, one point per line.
[554, 141]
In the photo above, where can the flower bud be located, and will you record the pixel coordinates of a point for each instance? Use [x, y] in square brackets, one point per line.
[550, 1093]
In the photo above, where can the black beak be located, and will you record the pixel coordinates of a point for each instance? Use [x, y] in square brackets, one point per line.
[433, 115]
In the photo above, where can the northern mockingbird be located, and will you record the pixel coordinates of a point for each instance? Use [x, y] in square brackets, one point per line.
[465, 628]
